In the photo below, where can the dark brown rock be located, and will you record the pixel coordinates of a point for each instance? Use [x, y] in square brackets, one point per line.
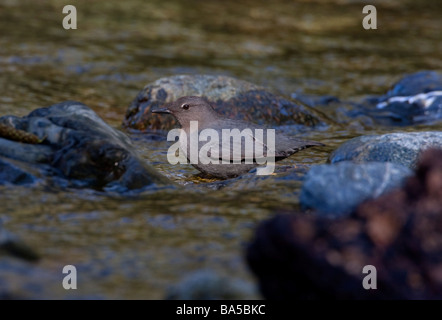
[231, 97]
[400, 233]
[75, 148]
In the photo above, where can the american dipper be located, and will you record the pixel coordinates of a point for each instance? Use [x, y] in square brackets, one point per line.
[196, 114]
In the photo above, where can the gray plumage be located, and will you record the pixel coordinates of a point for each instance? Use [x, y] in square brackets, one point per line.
[192, 108]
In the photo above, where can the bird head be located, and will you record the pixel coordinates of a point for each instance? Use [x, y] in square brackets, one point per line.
[189, 108]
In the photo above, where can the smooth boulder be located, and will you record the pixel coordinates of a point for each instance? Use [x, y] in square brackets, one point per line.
[234, 98]
[337, 189]
[68, 144]
[403, 148]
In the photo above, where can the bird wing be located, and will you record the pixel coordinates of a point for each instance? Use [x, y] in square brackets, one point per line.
[250, 145]
[244, 144]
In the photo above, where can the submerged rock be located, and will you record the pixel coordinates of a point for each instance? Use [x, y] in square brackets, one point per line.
[12, 174]
[209, 285]
[76, 145]
[340, 188]
[21, 280]
[417, 98]
[298, 256]
[416, 83]
[231, 97]
[402, 148]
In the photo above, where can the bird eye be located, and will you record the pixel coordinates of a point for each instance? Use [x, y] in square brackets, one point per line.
[185, 106]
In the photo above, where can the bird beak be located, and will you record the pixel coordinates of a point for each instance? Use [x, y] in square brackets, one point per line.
[162, 109]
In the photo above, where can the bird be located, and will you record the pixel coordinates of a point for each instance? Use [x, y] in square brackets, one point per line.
[196, 113]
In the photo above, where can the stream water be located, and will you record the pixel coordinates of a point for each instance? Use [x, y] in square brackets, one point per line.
[137, 246]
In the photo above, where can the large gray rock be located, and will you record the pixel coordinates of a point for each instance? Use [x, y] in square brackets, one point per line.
[71, 145]
[338, 189]
[402, 148]
[234, 98]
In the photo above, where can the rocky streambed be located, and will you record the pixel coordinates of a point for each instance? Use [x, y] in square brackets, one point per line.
[84, 179]
[68, 147]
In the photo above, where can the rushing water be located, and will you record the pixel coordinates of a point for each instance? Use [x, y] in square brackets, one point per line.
[135, 246]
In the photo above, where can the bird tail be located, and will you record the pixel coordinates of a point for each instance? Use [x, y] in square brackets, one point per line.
[301, 145]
